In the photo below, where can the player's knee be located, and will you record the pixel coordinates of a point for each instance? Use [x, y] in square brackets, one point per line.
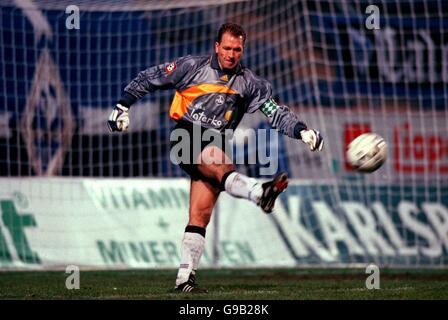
[216, 171]
[225, 170]
[222, 170]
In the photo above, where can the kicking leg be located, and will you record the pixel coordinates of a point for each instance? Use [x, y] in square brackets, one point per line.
[215, 164]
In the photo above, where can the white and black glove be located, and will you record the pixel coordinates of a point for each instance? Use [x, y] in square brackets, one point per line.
[118, 119]
[313, 139]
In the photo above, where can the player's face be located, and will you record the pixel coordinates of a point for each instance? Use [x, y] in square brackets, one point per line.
[229, 51]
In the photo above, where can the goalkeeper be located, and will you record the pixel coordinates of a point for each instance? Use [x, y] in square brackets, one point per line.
[212, 94]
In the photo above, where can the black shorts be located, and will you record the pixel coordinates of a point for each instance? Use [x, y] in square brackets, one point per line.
[193, 140]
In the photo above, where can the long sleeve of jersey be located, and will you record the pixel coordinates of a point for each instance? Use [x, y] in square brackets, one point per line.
[163, 76]
[280, 117]
[285, 121]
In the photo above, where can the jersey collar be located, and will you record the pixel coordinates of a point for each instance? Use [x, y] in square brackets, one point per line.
[215, 65]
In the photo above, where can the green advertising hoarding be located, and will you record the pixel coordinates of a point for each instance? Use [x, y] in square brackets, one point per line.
[139, 223]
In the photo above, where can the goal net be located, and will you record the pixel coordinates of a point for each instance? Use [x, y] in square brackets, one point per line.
[345, 67]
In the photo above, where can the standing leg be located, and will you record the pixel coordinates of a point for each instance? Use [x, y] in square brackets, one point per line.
[203, 197]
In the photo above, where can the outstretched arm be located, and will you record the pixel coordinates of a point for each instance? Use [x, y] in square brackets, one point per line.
[281, 117]
[163, 76]
[288, 123]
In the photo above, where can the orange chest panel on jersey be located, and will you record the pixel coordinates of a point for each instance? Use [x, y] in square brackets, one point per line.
[182, 100]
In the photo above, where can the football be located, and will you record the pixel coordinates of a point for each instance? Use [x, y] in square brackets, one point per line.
[367, 152]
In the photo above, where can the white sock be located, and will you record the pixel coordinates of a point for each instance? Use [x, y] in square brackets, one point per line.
[241, 186]
[191, 252]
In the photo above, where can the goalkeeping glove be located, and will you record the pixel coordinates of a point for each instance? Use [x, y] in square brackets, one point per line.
[313, 139]
[118, 119]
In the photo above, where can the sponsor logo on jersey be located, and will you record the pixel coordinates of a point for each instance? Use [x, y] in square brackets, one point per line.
[199, 115]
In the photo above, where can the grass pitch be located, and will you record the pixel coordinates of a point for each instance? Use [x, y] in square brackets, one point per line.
[229, 284]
